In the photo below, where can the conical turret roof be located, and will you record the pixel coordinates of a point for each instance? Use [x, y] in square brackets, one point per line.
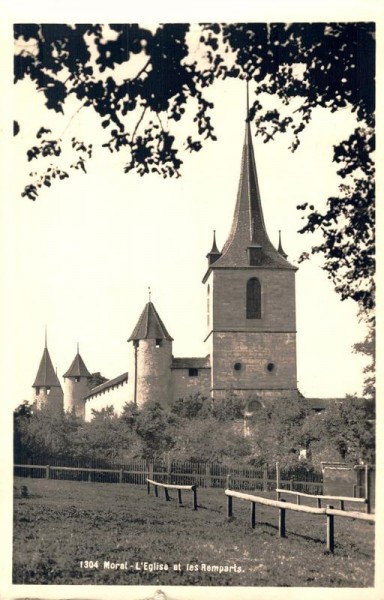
[150, 326]
[46, 375]
[77, 368]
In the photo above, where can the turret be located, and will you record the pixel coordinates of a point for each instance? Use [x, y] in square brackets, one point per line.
[47, 388]
[214, 253]
[76, 380]
[280, 248]
[149, 372]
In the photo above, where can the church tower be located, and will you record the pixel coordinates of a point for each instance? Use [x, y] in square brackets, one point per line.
[76, 386]
[251, 302]
[150, 360]
[47, 388]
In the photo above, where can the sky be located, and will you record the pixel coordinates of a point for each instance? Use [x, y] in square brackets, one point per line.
[82, 256]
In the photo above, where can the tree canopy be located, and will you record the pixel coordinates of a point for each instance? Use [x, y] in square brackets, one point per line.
[142, 81]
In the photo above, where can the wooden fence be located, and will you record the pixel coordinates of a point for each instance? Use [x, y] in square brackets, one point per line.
[204, 475]
[283, 506]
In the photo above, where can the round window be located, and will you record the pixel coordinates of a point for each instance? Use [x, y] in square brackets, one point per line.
[237, 366]
[270, 367]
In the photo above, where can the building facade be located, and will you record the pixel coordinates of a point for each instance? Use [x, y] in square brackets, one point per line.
[251, 327]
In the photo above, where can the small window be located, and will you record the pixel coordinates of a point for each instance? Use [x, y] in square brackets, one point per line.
[193, 372]
[270, 367]
[135, 343]
[159, 343]
[253, 298]
[254, 255]
[48, 390]
[37, 391]
[237, 366]
[77, 379]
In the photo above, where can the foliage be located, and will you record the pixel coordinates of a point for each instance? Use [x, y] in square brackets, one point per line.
[96, 379]
[368, 348]
[193, 429]
[140, 83]
[349, 427]
[192, 406]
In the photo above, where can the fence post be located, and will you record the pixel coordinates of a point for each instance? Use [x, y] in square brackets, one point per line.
[169, 468]
[367, 490]
[253, 515]
[330, 531]
[229, 477]
[208, 481]
[291, 484]
[282, 522]
[278, 479]
[265, 478]
[148, 487]
[194, 491]
[150, 470]
[121, 476]
[179, 496]
[166, 495]
[229, 506]
[156, 492]
[47, 472]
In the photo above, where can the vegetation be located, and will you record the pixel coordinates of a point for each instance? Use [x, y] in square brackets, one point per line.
[195, 429]
[142, 82]
[62, 524]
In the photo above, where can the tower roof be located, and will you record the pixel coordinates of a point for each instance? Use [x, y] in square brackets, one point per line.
[77, 368]
[46, 375]
[150, 326]
[248, 226]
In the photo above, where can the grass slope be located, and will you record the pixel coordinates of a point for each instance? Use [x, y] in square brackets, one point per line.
[62, 524]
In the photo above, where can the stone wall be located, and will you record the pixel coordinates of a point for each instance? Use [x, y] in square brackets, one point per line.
[185, 385]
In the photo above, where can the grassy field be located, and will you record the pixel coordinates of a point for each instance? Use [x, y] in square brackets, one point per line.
[69, 532]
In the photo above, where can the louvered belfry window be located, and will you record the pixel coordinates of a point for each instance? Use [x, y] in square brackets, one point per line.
[253, 298]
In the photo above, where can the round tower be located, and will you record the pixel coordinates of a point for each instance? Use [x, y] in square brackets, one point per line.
[76, 386]
[47, 388]
[150, 359]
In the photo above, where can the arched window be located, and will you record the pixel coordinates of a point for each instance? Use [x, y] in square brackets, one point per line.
[253, 298]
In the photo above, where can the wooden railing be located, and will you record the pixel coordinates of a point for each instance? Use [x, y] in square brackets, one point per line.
[319, 498]
[283, 506]
[179, 488]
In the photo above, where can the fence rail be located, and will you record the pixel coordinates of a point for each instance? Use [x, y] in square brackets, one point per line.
[179, 488]
[283, 506]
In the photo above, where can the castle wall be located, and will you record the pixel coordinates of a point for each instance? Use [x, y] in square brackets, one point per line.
[116, 396]
[153, 372]
[185, 385]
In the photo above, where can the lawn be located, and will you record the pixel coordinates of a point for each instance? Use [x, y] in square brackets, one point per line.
[69, 532]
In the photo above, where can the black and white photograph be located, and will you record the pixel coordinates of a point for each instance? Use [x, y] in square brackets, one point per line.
[188, 285]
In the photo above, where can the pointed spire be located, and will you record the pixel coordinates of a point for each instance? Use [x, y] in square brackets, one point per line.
[248, 243]
[280, 248]
[45, 340]
[77, 368]
[149, 326]
[149, 293]
[214, 254]
[46, 376]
